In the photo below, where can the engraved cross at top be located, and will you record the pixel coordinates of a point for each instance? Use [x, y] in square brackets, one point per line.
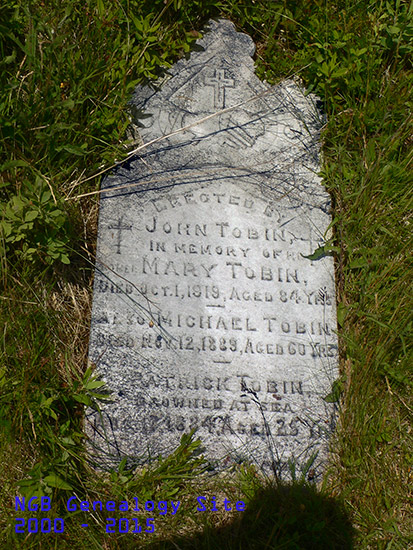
[120, 227]
[219, 82]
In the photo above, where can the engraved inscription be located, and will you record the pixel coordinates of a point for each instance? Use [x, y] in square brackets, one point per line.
[232, 297]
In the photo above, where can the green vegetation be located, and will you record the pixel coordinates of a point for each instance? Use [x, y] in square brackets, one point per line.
[67, 70]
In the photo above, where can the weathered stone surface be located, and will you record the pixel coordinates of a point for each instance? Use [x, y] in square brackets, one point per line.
[206, 313]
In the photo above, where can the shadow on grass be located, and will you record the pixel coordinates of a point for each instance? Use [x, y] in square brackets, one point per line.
[281, 517]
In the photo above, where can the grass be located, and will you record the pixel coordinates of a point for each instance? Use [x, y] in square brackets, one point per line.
[67, 71]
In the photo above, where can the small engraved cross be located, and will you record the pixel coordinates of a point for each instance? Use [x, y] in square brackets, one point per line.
[120, 227]
[219, 82]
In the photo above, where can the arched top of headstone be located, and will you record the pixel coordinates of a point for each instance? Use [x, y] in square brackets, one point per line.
[222, 37]
[220, 48]
[212, 112]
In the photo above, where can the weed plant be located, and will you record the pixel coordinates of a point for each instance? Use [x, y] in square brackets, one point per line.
[67, 70]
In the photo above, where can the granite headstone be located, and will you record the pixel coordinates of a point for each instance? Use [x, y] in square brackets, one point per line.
[207, 312]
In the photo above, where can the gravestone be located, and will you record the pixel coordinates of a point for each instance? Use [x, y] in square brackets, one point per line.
[207, 312]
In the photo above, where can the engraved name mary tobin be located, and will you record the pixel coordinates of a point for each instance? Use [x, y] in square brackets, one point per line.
[208, 316]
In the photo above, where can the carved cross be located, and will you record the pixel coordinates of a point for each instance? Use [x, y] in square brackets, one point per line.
[219, 82]
[119, 227]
